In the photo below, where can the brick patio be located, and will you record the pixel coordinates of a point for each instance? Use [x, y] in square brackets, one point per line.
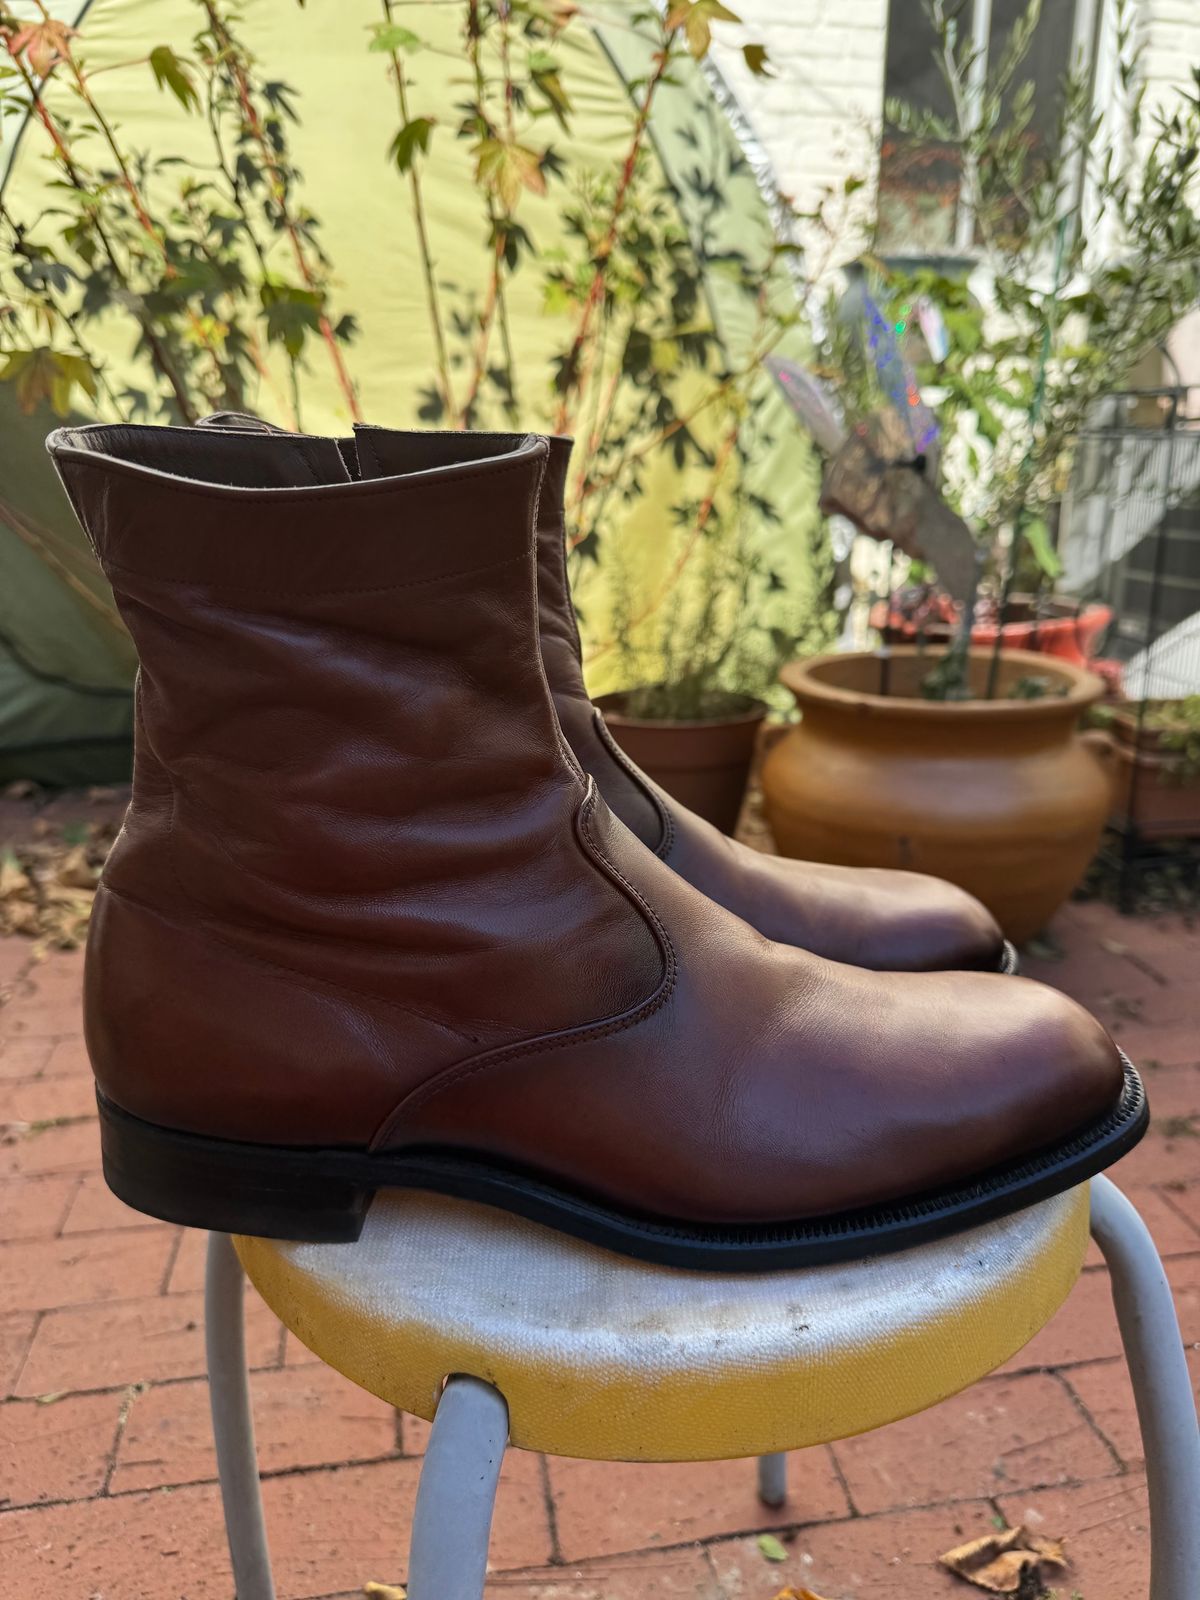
[106, 1470]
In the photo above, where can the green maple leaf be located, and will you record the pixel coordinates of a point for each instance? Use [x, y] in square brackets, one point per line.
[696, 17]
[509, 167]
[388, 37]
[412, 138]
[170, 73]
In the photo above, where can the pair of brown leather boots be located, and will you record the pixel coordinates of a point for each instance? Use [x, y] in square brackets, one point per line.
[389, 908]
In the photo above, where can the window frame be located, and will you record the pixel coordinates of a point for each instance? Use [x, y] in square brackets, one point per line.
[1094, 48]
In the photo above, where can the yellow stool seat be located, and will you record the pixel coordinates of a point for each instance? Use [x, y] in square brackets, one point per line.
[616, 1360]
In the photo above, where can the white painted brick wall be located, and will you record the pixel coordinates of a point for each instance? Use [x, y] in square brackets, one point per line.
[818, 119]
[1168, 33]
[1168, 41]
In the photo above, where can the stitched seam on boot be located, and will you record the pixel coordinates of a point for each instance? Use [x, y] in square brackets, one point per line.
[667, 843]
[351, 490]
[564, 579]
[454, 1076]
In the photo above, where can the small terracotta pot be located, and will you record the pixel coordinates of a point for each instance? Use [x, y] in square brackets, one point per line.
[703, 765]
[1144, 793]
[1065, 631]
[1001, 796]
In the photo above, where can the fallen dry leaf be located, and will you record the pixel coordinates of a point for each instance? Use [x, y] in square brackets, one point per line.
[797, 1594]
[12, 879]
[1008, 1562]
[47, 885]
[76, 870]
[385, 1591]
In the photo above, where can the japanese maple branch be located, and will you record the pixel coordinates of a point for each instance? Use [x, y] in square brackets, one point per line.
[598, 285]
[254, 126]
[494, 301]
[432, 302]
[158, 352]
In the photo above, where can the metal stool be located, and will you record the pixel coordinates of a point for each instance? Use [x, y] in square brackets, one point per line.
[505, 1332]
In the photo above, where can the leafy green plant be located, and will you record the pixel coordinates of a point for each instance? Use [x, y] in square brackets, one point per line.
[219, 272]
[1067, 317]
[639, 359]
[1177, 724]
[198, 262]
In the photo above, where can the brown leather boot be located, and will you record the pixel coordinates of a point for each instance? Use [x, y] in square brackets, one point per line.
[368, 923]
[872, 917]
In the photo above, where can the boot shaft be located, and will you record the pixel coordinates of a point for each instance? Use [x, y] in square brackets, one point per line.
[310, 656]
[384, 450]
[348, 771]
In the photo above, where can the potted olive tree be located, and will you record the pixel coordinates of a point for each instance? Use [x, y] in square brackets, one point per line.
[955, 422]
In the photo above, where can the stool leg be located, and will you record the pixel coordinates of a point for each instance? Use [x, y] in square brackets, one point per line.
[772, 1479]
[233, 1422]
[457, 1493]
[1161, 1387]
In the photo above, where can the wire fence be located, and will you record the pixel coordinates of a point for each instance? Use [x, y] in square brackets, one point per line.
[1129, 536]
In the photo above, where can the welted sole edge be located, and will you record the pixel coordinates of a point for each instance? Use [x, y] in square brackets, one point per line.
[321, 1195]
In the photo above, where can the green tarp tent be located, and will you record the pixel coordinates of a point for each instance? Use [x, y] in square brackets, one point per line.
[65, 663]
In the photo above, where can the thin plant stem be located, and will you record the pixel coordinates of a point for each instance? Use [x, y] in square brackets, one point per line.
[1027, 465]
[241, 83]
[511, 404]
[494, 300]
[598, 286]
[703, 514]
[288, 406]
[158, 351]
[593, 434]
[442, 361]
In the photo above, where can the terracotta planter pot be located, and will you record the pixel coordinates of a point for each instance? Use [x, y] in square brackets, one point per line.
[1144, 792]
[703, 765]
[1065, 633]
[1003, 797]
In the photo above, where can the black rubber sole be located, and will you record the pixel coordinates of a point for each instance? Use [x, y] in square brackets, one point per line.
[323, 1195]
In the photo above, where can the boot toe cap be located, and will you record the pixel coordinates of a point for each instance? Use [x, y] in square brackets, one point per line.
[874, 917]
[936, 925]
[982, 1077]
[1074, 1071]
[1031, 1071]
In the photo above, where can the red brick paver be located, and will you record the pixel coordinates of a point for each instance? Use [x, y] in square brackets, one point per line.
[999, 1435]
[106, 1465]
[305, 1422]
[604, 1507]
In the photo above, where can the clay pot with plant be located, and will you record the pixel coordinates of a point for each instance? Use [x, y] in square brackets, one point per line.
[951, 447]
[1052, 625]
[1153, 748]
[1001, 795]
[692, 716]
[702, 761]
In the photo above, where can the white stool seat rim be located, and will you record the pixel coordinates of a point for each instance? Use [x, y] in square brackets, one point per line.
[610, 1358]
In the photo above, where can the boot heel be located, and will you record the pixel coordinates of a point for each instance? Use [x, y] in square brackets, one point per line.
[225, 1186]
